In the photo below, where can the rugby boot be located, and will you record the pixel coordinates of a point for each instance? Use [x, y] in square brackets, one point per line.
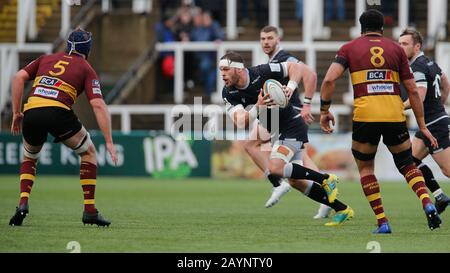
[21, 213]
[383, 229]
[330, 187]
[277, 193]
[441, 203]
[434, 221]
[341, 216]
[95, 219]
[323, 212]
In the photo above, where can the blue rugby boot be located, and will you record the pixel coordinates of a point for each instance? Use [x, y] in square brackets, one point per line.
[434, 221]
[383, 229]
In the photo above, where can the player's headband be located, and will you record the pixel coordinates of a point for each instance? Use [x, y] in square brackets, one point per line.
[229, 63]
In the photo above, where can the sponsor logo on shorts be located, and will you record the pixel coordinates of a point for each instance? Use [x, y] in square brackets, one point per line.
[96, 91]
[373, 75]
[50, 81]
[45, 92]
[380, 88]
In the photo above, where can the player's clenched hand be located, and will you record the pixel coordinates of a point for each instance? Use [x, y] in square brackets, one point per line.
[112, 152]
[306, 114]
[287, 91]
[325, 118]
[16, 126]
[264, 99]
[430, 137]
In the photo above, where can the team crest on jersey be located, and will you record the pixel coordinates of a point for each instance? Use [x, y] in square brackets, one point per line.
[374, 75]
[48, 81]
[95, 83]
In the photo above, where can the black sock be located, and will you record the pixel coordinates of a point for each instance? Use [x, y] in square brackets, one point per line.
[318, 194]
[430, 182]
[274, 179]
[299, 172]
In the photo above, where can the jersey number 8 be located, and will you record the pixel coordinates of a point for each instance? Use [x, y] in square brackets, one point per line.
[377, 56]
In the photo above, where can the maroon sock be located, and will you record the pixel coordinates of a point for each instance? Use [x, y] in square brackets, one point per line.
[371, 189]
[88, 176]
[27, 177]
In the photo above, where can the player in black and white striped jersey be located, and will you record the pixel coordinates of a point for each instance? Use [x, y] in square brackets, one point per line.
[429, 79]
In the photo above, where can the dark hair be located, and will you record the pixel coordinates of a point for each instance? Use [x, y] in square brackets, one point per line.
[233, 56]
[268, 29]
[371, 20]
[416, 36]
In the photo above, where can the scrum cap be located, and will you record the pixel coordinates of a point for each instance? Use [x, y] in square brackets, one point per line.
[79, 41]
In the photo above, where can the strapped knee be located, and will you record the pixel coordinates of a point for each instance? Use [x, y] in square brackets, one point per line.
[403, 159]
[281, 152]
[362, 156]
[32, 155]
[84, 144]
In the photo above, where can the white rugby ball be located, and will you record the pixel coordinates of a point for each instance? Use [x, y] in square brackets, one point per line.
[275, 90]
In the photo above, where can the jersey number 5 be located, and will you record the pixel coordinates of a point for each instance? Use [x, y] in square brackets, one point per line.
[60, 68]
[377, 56]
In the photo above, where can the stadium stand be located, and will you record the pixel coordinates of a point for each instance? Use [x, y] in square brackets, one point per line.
[131, 71]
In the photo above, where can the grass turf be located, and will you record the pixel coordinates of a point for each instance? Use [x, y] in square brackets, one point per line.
[197, 215]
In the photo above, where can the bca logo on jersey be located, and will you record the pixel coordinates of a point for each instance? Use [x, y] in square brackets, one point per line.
[374, 75]
[50, 81]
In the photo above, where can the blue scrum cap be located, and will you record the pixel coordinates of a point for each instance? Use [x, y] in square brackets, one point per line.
[79, 41]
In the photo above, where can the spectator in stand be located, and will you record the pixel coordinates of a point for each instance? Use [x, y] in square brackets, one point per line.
[183, 28]
[206, 29]
[388, 10]
[167, 5]
[257, 8]
[165, 34]
[335, 8]
[215, 8]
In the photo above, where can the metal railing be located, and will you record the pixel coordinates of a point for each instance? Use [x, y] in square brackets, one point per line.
[148, 55]
[213, 111]
[9, 65]
[258, 57]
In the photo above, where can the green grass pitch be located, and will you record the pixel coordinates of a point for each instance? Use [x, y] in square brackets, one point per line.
[198, 215]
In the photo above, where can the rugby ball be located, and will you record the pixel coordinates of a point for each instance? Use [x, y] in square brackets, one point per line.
[275, 90]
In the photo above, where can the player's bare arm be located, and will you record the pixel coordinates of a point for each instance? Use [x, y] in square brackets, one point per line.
[310, 84]
[335, 71]
[104, 122]
[445, 88]
[417, 106]
[17, 92]
[295, 74]
[422, 94]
